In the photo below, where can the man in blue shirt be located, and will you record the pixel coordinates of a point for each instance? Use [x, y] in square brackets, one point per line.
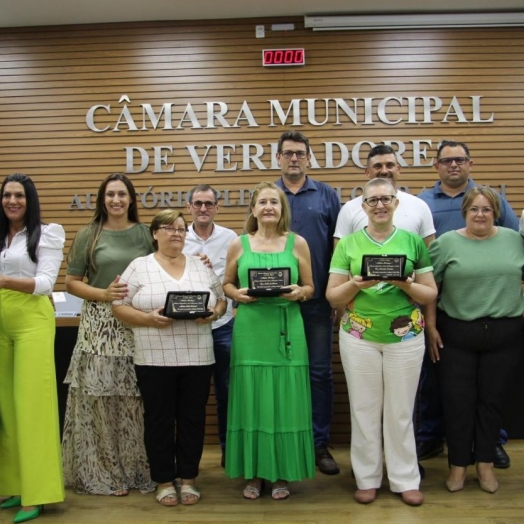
[314, 210]
[453, 165]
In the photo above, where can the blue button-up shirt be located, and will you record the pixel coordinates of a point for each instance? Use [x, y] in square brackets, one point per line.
[446, 210]
[314, 212]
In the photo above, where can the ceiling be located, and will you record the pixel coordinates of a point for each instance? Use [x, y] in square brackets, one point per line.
[19, 13]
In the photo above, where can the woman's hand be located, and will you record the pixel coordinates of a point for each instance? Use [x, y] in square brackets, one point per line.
[205, 260]
[402, 284]
[363, 284]
[296, 294]
[434, 343]
[218, 311]
[421, 288]
[116, 290]
[157, 320]
[209, 320]
[342, 289]
[242, 296]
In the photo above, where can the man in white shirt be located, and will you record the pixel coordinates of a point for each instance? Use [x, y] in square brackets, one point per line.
[206, 237]
[412, 214]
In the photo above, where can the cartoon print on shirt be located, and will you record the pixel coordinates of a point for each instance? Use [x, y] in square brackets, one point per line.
[401, 327]
[358, 325]
[418, 320]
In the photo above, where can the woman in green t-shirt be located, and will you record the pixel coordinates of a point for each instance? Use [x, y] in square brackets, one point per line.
[103, 443]
[382, 343]
[475, 332]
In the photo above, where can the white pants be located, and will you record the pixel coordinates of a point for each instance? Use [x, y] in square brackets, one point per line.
[382, 382]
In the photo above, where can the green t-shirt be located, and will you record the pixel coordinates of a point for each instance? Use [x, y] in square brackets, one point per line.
[113, 253]
[383, 313]
[480, 278]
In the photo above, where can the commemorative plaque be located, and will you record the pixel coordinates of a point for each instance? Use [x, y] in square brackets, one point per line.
[187, 305]
[269, 282]
[383, 267]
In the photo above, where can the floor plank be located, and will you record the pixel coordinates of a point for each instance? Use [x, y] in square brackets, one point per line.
[323, 500]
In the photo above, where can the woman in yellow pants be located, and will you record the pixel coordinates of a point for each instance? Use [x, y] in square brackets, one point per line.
[30, 257]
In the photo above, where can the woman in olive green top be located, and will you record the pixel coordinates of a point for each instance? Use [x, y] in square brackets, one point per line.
[103, 444]
[475, 332]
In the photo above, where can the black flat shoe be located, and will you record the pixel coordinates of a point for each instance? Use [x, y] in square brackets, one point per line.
[429, 449]
[325, 461]
[501, 459]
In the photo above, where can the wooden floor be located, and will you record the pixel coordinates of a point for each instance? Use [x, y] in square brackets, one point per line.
[323, 500]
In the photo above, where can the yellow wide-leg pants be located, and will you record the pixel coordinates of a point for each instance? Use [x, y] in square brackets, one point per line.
[30, 455]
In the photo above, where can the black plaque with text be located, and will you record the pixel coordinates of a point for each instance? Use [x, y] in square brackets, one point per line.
[383, 267]
[269, 282]
[187, 304]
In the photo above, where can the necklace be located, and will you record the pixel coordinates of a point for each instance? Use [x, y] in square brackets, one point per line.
[472, 236]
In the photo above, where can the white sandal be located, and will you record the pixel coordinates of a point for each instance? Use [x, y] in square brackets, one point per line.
[281, 490]
[189, 489]
[251, 490]
[167, 496]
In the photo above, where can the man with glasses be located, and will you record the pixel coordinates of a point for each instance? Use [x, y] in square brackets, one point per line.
[314, 210]
[411, 214]
[453, 165]
[205, 237]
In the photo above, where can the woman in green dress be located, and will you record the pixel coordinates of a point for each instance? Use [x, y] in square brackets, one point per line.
[269, 433]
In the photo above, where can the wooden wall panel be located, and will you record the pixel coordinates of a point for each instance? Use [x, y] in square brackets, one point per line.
[51, 76]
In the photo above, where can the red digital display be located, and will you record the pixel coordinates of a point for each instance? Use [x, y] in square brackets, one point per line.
[283, 57]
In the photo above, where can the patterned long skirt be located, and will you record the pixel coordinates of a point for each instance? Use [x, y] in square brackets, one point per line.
[103, 444]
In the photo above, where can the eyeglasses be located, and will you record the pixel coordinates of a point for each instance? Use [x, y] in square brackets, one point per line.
[373, 201]
[174, 230]
[289, 154]
[459, 160]
[480, 210]
[207, 204]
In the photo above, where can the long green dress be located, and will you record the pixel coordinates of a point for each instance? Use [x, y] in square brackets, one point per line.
[269, 429]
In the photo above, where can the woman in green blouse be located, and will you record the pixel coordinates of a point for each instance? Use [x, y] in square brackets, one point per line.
[475, 332]
[103, 444]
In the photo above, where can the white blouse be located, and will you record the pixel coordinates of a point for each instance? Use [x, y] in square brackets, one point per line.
[15, 260]
[184, 342]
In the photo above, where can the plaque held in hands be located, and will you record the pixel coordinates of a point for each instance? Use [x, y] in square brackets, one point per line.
[187, 305]
[269, 282]
[383, 267]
